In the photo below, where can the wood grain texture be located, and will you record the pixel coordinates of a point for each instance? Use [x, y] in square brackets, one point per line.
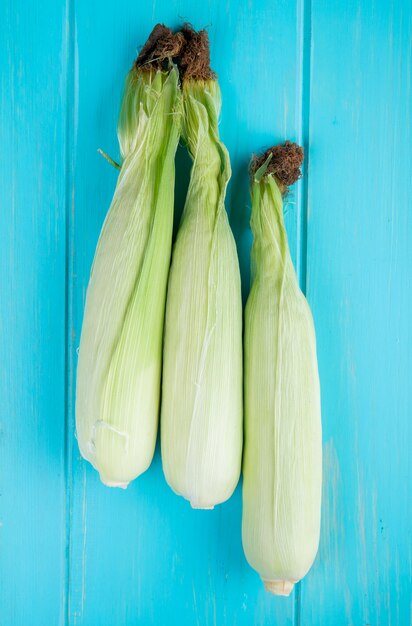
[334, 77]
[359, 286]
[32, 319]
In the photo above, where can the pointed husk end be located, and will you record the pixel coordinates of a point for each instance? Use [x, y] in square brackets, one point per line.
[204, 507]
[111, 483]
[283, 162]
[279, 587]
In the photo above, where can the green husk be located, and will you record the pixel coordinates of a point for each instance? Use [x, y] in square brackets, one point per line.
[201, 415]
[282, 468]
[119, 368]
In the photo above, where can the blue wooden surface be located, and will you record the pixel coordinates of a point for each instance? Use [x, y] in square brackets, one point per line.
[334, 76]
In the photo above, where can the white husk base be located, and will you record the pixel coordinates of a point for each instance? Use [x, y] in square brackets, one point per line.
[279, 587]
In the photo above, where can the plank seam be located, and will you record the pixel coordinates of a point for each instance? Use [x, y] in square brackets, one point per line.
[69, 177]
[305, 61]
[306, 75]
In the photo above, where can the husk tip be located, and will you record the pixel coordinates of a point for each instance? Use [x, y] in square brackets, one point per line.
[279, 587]
[113, 483]
[204, 507]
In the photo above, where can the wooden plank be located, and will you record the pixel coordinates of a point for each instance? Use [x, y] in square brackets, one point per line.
[143, 556]
[359, 286]
[32, 319]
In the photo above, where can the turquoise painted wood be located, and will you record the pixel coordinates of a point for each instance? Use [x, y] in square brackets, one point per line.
[359, 285]
[337, 78]
[33, 533]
